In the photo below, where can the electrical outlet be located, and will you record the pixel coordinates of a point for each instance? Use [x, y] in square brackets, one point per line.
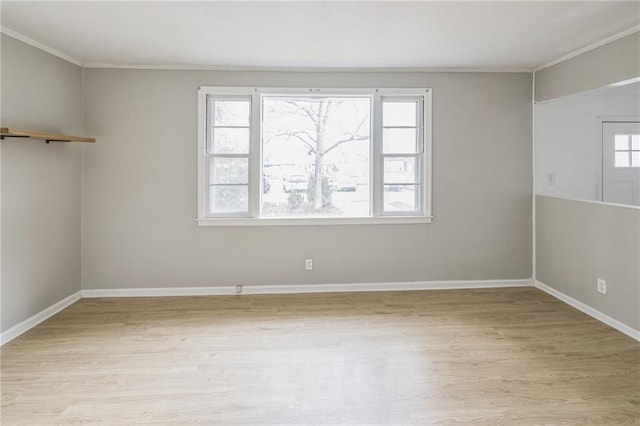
[238, 289]
[602, 286]
[308, 264]
[551, 179]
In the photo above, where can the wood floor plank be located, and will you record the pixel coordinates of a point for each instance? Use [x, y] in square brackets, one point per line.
[478, 357]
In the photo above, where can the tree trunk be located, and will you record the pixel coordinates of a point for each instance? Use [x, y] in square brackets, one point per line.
[321, 124]
[317, 190]
[317, 175]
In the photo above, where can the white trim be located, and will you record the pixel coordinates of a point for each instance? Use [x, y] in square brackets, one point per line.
[201, 153]
[41, 46]
[427, 156]
[159, 292]
[255, 178]
[36, 319]
[375, 148]
[304, 288]
[312, 221]
[588, 48]
[177, 67]
[312, 91]
[601, 203]
[592, 312]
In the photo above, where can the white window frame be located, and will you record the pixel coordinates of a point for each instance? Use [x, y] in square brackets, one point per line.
[252, 218]
[629, 151]
[209, 156]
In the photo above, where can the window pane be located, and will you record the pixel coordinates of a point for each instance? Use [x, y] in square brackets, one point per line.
[230, 113]
[228, 199]
[400, 170]
[399, 141]
[229, 170]
[402, 113]
[635, 159]
[622, 142]
[635, 142]
[622, 159]
[229, 141]
[295, 150]
[401, 198]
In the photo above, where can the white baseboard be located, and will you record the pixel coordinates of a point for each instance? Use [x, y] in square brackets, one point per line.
[159, 292]
[623, 328]
[31, 322]
[304, 288]
[36, 319]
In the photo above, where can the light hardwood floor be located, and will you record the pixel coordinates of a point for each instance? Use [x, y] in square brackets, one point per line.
[473, 357]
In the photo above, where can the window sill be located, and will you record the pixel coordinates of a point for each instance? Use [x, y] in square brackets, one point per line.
[392, 220]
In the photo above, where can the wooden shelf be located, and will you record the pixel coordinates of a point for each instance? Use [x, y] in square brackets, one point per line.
[7, 132]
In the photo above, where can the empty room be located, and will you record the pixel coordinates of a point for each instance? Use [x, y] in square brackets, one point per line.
[320, 212]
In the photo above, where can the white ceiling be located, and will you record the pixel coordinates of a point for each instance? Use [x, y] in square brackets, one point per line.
[461, 35]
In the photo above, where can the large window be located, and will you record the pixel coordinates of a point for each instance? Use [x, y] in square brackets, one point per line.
[285, 156]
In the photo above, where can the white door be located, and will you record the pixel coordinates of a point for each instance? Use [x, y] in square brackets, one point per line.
[621, 163]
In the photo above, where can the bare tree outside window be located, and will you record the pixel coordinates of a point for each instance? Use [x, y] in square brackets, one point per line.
[316, 150]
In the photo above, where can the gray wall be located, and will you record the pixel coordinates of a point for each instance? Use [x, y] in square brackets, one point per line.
[139, 194]
[578, 242]
[40, 183]
[611, 63]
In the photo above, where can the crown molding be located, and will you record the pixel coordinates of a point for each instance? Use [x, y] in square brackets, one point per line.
[586, 49]
[41, 46]
[168, 67]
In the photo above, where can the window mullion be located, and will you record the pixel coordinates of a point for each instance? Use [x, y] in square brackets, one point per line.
[203, 146]
[255, 155]
[207, 156]
[427, 159]
[376, 157]
[420, 195]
